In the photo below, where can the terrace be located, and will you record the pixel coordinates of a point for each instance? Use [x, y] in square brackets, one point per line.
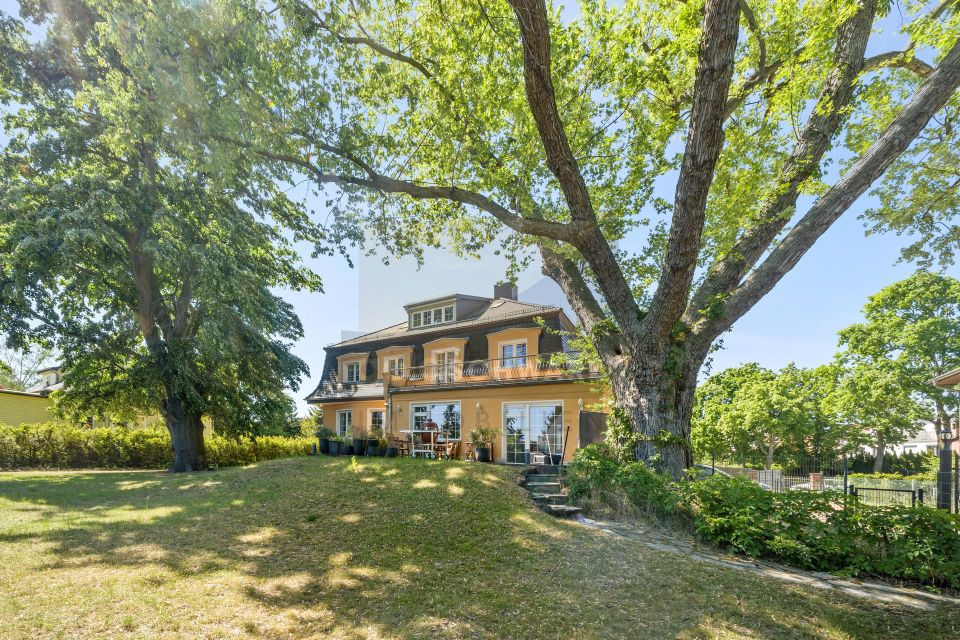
[513, 370]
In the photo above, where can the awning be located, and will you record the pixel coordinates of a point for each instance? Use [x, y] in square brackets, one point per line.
[948, 380]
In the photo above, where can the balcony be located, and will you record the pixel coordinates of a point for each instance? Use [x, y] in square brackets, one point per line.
[485, 372]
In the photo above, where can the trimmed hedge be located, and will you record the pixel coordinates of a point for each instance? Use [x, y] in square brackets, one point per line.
[824, 531]
[55, 445]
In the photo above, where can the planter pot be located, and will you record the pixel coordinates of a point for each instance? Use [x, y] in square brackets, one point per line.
[372, 445]
[392, 452]
[346, 450]
[555, 459]
[483, 454]
[324, 445]
[313, 449]
[359, 446]
[333, 447]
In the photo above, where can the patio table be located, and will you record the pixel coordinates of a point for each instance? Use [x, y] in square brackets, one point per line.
[431, 451]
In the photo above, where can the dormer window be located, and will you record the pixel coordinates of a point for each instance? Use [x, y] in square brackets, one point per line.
[429, 317]
[353, 372]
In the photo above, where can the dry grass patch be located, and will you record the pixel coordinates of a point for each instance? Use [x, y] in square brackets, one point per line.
[326, 548]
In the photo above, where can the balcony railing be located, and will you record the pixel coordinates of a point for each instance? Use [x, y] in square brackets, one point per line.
[518, 368]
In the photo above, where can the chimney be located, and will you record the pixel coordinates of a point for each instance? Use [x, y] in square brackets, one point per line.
[505, 290]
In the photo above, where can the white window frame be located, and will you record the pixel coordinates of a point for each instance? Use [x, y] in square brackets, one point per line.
[426, 403]
[383, 419]
[390, 365]
[513, 358]
[349, 426]
[528, 406]
[433, 316]
[346, 371]
[449, 367]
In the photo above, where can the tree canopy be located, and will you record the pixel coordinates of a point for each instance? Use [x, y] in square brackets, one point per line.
[455, 124]
[912, 328]
[151, 267]
[458, 124]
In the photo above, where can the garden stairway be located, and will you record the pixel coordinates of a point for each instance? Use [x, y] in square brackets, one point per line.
[546, 490]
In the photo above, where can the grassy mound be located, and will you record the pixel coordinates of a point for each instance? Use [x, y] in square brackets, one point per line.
[333, 548]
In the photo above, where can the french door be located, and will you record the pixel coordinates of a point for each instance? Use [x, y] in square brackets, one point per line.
[532, 427]
[445, 369]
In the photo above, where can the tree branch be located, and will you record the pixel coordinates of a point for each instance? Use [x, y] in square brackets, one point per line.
[902, 59]
[929, 98]
[825, 120]
[541, 97]
[704, 141]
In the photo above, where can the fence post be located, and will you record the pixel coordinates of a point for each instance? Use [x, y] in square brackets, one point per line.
[920, 495]
[846, 468]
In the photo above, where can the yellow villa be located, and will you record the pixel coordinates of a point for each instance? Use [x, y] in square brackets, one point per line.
[464, 362]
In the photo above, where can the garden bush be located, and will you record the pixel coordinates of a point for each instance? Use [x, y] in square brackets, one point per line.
[56, 445]
[824, 531]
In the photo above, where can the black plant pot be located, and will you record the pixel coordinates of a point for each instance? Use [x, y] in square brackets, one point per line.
[392, 452]
[346, 450]
[483, 454]
[359, 446]
[555, 458]
[324, 445]
[334, 447]
[372, 445]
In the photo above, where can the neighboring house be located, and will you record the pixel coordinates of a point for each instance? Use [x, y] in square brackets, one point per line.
[951, 380]
[924, 442]
[34, 404]
[463, 362]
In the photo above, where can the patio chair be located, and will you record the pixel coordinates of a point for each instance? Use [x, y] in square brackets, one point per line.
[450, 449]
[402, 445]
[470, 453]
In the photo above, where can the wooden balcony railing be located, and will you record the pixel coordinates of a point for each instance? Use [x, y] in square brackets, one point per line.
[519, 368]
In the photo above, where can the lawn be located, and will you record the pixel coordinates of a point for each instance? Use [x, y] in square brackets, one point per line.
[326, 548]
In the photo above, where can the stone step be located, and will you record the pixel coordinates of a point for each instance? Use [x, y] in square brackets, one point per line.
[535, 478]
[562, 510]
[544, 487]
[549, 498]
[547, 469]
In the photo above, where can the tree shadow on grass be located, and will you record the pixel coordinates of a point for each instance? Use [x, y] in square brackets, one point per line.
[324, 547]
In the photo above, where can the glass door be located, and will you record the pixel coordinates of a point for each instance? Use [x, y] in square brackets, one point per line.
[445, 369]
[531, 429]
[516, 430]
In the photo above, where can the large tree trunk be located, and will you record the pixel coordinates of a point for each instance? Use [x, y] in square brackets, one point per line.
[881, 452]
[771, 448]
[659, 405]
[186, 435]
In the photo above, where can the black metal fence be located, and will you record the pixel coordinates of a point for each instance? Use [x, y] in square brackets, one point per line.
[833, 474]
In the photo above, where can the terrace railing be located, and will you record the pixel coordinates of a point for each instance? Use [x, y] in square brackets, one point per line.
[517, 368]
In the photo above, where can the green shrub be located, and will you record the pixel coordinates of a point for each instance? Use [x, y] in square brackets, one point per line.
[824, 531]
[57, 445]
[597, 480]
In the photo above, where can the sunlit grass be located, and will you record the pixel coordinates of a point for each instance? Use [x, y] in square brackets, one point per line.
[326, 548]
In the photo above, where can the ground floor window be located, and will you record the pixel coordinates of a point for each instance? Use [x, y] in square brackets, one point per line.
[376, 422]
[344, 422]
[533, 427]
[445, 414]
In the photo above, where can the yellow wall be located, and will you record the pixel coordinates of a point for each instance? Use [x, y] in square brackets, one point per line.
[19, 408]
[361, 412]
[490, 411]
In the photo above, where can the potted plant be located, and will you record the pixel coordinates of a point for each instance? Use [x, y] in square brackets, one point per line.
[333, 445]
[346, 449]
[482, 439]
[359, 436]
[390, 450]
[324, 434]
